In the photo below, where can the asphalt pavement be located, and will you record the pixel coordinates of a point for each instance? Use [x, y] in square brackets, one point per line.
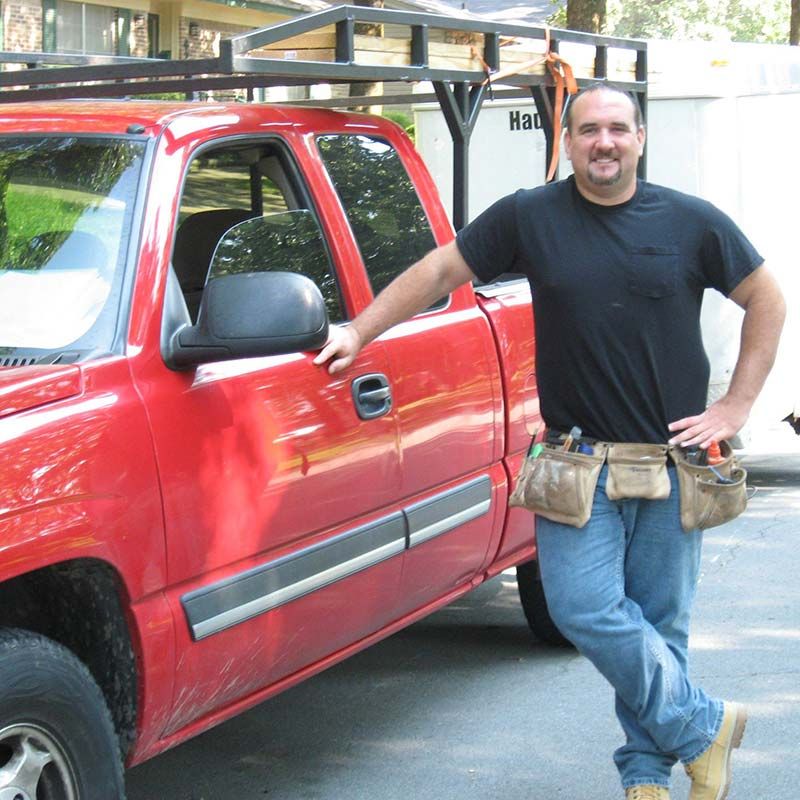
[466, 704]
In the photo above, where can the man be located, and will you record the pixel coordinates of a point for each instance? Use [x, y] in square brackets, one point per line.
[617, 268]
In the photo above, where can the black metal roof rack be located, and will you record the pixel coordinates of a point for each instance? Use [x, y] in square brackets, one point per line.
[460, 92]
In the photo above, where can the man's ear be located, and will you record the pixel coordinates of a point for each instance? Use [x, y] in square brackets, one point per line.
[567, 145]
[641, 136]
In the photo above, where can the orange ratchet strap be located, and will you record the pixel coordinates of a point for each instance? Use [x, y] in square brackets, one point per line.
[563, 79]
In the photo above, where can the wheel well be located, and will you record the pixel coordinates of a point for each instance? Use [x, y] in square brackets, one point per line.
[78, 604]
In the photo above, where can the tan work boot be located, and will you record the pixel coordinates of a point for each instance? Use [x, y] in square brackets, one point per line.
[647, 792]
[711, 773]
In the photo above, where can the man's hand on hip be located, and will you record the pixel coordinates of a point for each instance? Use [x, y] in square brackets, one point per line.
[342, 346]
[720, 420]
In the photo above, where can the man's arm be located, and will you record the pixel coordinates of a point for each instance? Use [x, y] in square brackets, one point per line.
[414, 290]
[764, 311]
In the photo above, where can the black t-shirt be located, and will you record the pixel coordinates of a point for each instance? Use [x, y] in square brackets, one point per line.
[617, 292]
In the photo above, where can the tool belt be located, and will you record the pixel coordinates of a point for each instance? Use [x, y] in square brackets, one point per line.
[710, 495]
[559, 484]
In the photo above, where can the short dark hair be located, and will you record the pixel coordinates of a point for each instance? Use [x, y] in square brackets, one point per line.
[606, 87]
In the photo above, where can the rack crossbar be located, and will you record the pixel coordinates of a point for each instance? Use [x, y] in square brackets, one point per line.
[460, 92]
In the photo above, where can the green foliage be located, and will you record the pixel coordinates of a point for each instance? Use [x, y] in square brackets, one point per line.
[733, 20]
[558, 19]
[405, 121]
[178, 97]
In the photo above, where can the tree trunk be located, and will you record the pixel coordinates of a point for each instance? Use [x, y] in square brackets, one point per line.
[367, 29]
[588, 15]
[794, 28]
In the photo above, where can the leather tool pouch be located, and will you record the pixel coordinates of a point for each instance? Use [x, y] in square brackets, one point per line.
[705, 500]
[559, 485]
[637, 470]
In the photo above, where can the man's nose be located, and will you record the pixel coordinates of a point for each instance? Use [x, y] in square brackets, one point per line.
[604, 138]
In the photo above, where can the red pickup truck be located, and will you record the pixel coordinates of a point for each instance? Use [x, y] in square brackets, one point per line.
[193, 517]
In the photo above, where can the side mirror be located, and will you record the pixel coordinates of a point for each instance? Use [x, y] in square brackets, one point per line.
[252, 314]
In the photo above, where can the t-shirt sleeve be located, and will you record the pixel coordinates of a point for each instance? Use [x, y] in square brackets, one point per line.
[489, 243]
[728, 257]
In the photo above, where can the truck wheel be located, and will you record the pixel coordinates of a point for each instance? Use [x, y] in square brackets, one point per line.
[57, 741]
[531, 595]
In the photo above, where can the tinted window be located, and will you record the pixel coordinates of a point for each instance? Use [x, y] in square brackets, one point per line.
[228, 186]
[381, 203]
[289, 242]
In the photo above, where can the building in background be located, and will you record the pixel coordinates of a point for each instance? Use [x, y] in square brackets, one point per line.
[157, 28]
[142, 28]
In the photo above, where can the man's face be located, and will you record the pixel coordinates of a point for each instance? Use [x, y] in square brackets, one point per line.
[604, 146]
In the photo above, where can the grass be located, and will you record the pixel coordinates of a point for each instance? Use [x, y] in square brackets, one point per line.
[31, 210]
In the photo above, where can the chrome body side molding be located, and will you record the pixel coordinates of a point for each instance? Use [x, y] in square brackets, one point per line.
[221, 605]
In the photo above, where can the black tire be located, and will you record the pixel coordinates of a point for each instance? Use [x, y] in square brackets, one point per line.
[54, 724]
[531, 595]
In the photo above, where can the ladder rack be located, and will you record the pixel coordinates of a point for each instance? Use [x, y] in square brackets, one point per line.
[325, 47]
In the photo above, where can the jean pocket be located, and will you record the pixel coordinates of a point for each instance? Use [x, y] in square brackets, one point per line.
[653, 271]
[559, 485]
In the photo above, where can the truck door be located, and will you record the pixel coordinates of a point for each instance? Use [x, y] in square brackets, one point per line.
[281, 545]
[445, 381]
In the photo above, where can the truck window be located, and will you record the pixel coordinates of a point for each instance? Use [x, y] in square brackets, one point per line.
[380, 201]
[290, 241]
[229, 186]
[66, 209]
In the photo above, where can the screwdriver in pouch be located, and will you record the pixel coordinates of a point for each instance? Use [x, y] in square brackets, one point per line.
[720, 477]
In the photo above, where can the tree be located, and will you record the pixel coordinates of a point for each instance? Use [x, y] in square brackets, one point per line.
[737, 20]
[586, 15]
[794, 27]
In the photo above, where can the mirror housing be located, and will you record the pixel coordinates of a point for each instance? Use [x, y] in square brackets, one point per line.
[252, 314]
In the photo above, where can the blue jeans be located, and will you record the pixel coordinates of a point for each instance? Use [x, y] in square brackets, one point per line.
[621, 589]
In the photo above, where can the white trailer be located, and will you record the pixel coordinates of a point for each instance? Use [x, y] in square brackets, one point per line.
[722, 122]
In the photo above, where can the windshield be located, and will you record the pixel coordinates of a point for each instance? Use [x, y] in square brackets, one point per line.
[65, 222]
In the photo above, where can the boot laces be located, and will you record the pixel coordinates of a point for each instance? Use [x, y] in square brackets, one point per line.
[646, 793]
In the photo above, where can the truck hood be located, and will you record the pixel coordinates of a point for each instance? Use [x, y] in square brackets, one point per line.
[23, 388]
